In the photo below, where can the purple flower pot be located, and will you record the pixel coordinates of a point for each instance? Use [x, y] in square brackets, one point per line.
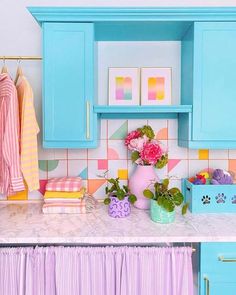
[119, 208]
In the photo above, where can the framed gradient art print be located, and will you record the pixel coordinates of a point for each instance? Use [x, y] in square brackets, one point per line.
[124, 86]
[155, 86]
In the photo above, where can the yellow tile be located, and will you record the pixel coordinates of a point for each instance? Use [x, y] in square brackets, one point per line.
[123, 174]
[19, 196]
[203, 154]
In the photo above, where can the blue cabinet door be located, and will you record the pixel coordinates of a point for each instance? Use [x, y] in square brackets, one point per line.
[214, 81]
[68, 90]
[218, 268]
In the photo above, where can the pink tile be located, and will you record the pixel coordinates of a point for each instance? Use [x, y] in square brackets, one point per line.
[102, 164]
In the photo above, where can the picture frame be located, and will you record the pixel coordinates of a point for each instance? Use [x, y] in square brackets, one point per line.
[124, 86]
[156, 86]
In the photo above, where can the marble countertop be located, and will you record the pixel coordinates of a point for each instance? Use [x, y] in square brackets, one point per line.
[25, 223]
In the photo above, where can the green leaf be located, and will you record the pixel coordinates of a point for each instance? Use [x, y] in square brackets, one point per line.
[148, 194]
[132, 198]
[174, 190]
[165, 183]
[134, 156]
[168, 205]
[112, 180]
[106, 190]
[185, 208]
[125, 187]
[162, 162]
[120, 194]
[178, 199]
[107, 201]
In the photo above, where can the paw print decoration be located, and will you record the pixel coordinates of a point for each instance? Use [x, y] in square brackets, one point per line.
[233, 199]
[220, 198]
[206, 200]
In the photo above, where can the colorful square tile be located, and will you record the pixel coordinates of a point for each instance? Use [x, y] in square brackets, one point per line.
[104, 131]
[94, 172]
[203, 154]
[160, 128]
[102, 165]
[136, 123]
[117, 129]
[123, 174]
[78, 168]
[172, 129]
[114, 166]
[176, 152]
[77, 154]
[100, 152]
[57, 168]
[117, 150]
[218, 154]
[180, 170]
[219, 164]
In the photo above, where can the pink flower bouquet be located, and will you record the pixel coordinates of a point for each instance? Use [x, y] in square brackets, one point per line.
[145, 149]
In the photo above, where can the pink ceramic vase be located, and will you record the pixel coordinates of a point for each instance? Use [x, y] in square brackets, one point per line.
[142, 177]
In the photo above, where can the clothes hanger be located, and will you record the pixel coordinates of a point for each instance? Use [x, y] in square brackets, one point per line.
[19, 71]
[4, 68]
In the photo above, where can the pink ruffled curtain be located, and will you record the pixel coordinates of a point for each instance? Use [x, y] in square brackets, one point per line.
[96, 271]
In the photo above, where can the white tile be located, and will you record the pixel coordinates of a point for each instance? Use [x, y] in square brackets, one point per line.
[193, 154]
[45, 154]
[35, 195]
[136, 123]
[104, 131]
[180, 170]
[3, 197]
[176, 152]
[118, 148]
[218, 154]
[232, 154]
[219, 164]
[59, 154]
[172, 129]
[77, 154]
[196, 166]
[100, 152]
[60, 170]
[75, 167]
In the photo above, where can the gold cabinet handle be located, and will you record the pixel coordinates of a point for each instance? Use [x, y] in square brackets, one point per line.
[222, 259]
[207, 285]
[87, 119]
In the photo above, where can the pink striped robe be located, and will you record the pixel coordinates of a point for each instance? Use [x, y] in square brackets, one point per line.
[10, 174]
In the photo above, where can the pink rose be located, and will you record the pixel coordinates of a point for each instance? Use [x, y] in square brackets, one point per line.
[132, 135]
[137, 144]
[151, 153]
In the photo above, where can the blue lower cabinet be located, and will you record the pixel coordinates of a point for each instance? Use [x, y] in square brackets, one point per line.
[218, 269]
[68, 88]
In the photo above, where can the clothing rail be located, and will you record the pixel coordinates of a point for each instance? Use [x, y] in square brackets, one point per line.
[15, 57]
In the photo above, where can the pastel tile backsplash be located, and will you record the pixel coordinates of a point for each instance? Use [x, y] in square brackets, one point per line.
[112, 156]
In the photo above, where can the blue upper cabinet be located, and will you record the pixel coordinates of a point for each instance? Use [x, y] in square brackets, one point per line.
[68, 55]
[208, 83]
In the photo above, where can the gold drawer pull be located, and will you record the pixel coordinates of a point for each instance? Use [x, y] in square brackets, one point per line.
[222, 259]
[207, 285]
[87, 119]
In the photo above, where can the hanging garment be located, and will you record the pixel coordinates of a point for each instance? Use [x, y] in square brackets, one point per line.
[28, 134]
[11, 180]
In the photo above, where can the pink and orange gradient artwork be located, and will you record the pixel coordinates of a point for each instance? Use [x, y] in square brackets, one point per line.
[123, 88]
[156, 88]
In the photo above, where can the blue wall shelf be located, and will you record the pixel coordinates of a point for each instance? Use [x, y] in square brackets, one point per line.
[140, 112]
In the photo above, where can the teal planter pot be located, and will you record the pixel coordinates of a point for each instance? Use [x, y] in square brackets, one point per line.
[159, 214]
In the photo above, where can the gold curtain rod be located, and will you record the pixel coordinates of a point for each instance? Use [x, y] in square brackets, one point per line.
[5, 57]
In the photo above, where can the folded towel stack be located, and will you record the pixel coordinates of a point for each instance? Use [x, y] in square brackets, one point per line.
[66, 195]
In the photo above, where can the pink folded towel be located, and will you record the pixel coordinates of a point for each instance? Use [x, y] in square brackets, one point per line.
[64, 184]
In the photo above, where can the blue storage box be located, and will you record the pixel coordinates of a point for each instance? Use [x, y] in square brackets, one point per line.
[209, 198]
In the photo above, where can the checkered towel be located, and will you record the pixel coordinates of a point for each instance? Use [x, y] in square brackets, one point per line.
[64, 184]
